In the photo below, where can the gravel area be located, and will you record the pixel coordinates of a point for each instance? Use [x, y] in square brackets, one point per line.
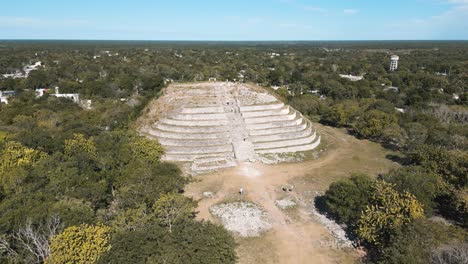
[286, 203]
[242, 218]
[338, 232]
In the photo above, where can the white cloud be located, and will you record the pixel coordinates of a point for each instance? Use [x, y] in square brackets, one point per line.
[458, 1]
[450, 24]
[350, 11]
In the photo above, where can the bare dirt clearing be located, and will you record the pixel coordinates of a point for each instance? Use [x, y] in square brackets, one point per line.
[295, 236]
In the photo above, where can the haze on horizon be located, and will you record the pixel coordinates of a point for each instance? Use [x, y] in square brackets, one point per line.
[235, 20]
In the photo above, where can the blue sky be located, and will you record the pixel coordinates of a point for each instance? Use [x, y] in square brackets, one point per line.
[234, 20]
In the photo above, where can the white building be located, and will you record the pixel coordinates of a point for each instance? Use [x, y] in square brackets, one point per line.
[74, 97]
[394, 62]
[4, 95]
[352, 78]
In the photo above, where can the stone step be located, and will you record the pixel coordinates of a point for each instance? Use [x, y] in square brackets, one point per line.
[277, 130]
[279, 124]
[193, 142]
[193, 123]
[192, 157]
[204, 160]
[280, 111]
[202, 110]
[267, 119]
[197, 117]
[247, 108]
[208, 164]
[177, 135]
[282, 136]
[290, 149]
[198, 149]
[191, 129]
[201, 170]
[285, 143]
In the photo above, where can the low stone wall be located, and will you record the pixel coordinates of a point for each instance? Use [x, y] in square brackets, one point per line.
[199, 116]
[266, 126]
[306, 147]
[202, 110]
[281, 111]
[267, 119]
[183, 129]
[248, 108]
[282, 136]
[194, 123]
[159, 133]
[285, 143]
[192, 157]
[198, 149]
[193, 142]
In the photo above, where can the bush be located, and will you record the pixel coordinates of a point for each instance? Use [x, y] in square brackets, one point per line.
[347, 198]
[423, 184]
[190, 242]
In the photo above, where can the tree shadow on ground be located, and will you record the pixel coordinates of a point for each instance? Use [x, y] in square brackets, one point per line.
[398, 159]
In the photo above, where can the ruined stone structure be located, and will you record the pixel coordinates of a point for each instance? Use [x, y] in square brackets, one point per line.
[216, 125]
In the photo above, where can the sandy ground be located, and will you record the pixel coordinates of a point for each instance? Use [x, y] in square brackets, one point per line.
[295, 237]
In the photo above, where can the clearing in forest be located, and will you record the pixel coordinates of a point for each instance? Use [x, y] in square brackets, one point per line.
[274, 220]
[211, 126]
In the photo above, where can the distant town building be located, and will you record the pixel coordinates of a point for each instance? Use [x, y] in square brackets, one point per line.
[352, 78]
[25, 73]
[40, 92]
[394, 62]
[4, 95]
[74, 97]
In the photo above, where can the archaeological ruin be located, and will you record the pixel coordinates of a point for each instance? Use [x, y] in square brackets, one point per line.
[218, 124]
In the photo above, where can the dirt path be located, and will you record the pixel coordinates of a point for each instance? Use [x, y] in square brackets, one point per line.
[295, 236]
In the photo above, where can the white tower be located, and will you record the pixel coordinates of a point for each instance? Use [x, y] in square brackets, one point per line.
[394, 62]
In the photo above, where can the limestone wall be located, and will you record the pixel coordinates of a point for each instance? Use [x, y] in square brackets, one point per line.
[176, 122]
[271, 125]
[285, 143]
[199, 116]
[164, 134]
[268, 119]
[192, 129]
[202, 110]
[198, 149]
[306, 147]
[281, 111]
[281, 136]
[194, 142]
[248, 108]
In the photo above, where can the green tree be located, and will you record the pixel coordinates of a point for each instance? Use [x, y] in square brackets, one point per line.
[347, 198]
[388, 212]
[79, 145]
[190, 242]
[80, 244]
[171, 209]
[374, 123]
[15, 162]
[425, 185]
[450, 164]
[146, 149]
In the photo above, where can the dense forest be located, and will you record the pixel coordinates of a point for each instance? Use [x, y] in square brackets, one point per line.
[78, 185]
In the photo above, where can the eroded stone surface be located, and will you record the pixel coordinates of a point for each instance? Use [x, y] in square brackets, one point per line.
[242, 218]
